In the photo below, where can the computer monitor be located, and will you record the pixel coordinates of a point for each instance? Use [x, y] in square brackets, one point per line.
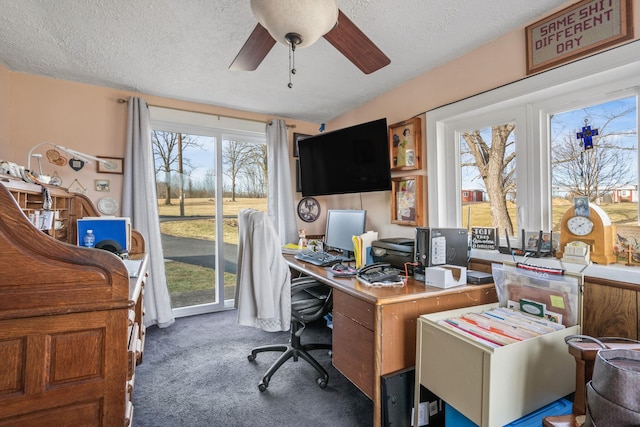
[342, 225]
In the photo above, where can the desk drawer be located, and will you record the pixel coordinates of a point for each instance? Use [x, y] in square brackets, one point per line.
[353, 352]
[356, 309]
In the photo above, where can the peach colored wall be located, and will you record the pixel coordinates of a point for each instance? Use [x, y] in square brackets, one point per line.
[90, 119]
[497, 63]
[85, 118]
[5, 131]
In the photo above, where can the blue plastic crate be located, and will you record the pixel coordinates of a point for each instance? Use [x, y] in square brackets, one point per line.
[453, 418]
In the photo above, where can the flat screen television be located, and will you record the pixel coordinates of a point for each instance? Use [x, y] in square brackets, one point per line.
[349, 160]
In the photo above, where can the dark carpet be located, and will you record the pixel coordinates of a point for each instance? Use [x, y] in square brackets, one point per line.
[196, 373]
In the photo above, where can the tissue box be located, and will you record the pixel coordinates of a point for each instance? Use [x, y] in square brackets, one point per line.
[445, 276]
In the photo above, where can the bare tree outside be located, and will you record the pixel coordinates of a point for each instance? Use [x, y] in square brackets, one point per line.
[596, 172]
[256, 172]
[494, 161]
[167, 150]
[243, 159]
[609, 168]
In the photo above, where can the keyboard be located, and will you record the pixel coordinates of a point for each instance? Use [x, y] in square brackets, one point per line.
[319, 258]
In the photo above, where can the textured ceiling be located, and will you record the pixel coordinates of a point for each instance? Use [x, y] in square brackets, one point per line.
[182, 49]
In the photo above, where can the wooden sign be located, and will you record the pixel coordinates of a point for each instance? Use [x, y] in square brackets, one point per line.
[586, 27]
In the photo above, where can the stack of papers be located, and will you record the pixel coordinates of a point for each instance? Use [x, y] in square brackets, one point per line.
[362, 248]
[501, 326]
[290, 248]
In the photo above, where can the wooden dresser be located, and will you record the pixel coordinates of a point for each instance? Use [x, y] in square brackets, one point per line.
[71, 318]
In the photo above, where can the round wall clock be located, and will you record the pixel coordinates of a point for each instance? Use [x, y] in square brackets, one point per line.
[595, 230]
[107, 206]
[308, 209]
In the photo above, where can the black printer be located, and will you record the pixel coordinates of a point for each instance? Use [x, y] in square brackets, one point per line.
[395, 251]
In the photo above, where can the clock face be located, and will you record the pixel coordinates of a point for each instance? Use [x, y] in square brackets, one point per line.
[308, 209]
[580, 225]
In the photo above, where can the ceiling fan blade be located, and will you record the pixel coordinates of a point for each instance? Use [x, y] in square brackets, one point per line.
[254, 50]
[356, 46]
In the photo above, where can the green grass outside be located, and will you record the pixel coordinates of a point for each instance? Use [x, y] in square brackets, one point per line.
[619, 213]
[182, 277]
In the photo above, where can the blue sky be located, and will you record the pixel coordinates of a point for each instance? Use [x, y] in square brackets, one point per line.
[574, 120]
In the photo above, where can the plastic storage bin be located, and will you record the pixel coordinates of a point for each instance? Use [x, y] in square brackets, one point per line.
[454, 418]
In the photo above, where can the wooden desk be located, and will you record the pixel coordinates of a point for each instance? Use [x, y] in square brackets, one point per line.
[374, 329]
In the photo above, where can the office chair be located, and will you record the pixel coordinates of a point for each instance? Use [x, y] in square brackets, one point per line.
[310, 300]
[266, 297]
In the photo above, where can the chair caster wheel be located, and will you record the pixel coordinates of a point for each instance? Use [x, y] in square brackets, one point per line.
[251, 357]
[322, 383]
[262, 386]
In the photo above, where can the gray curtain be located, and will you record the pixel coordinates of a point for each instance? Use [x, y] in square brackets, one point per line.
[140, 203]
[280, 199]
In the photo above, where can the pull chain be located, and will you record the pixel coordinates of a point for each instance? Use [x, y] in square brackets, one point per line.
[292, 63]
[294, 40]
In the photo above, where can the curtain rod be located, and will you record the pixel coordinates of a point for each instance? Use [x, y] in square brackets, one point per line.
[270, 122]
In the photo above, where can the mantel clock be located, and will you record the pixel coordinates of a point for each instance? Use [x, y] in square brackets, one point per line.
[595, 230]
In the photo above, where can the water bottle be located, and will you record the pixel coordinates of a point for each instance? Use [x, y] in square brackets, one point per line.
[89, 239]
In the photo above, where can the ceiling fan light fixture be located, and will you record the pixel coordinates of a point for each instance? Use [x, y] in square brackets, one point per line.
[310, 19]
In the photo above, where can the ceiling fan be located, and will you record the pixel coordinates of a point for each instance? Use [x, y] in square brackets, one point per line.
[300, 23]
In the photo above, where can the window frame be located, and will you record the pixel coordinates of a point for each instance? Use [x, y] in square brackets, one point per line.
[528, 102]
[221, 129]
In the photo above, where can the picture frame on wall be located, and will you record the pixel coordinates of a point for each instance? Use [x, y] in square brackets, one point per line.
[296, 138]
[102, 184]
[552, 41]
[406, 200]
[110, 165]
[405, 141]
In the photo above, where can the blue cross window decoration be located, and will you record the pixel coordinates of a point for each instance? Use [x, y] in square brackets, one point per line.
[586, 136]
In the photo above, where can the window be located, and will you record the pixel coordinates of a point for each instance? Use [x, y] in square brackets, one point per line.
[545, 113]
[594, 154]
[207, 169]
[487, 163]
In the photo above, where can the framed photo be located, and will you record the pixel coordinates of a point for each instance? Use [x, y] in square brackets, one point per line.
[297, 137]
[110, 165]
[555, 39]
[406, 200]
[404, 145]
[581, 206]
[102, 184]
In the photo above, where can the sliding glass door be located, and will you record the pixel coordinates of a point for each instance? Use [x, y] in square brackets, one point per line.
[204, 177]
